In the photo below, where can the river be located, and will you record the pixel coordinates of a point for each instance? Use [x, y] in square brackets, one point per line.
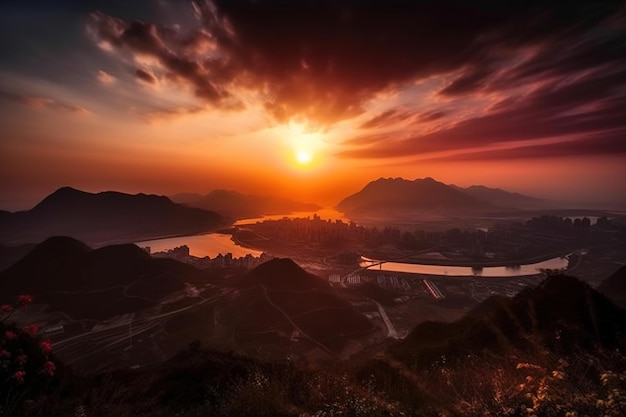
[324, 214]
[213, 244]
[210, 244]
[467, 271]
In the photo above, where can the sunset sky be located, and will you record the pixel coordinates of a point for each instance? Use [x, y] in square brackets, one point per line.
[311, 99]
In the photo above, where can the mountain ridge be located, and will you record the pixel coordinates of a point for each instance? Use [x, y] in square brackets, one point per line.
[238, 205]
[561, 314]
[428, 194]
[106, 217]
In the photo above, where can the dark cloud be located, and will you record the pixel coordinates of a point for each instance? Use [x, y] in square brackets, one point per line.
[548, 112]
[145, 76]
[386, 118]
[430, 116]
[173, 51]
[42, 102]
[557, 69]
[471, 80]
[605, 143]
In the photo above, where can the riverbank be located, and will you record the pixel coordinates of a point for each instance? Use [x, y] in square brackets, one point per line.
[479, 264]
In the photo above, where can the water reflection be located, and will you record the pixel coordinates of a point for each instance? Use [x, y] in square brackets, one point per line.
[467, 271]
[211, 244]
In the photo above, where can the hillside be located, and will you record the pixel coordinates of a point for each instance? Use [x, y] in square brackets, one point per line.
[614, 287]
[389, 194]
[502, 198]
[282, 296]
[551, 350]
[236, 205]
[563, 315]
[103, 218]
[84, 283]
[427, 195]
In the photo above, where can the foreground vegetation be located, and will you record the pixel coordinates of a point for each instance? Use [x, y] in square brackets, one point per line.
[556, 350]
[203, 383]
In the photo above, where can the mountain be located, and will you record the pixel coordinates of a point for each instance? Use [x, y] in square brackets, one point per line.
[85, 283]
[387, 195]
[281, 297]
[614, 287]
[501, 198]
[237, 205]
[397, 194]
[562, 315]
[283, 275]
[11, 254]
[272, 311]
[103, 217]
[514, 357]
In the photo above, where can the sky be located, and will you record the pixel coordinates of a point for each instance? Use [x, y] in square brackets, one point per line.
[311, 99]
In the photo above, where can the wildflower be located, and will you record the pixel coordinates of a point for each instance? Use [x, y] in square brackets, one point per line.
[24, 300]
[4, 353]
[21, 359]
[31, 329]
[558, 374]
[9, 334]
[19, 375]
[49, 367]
[46, 346]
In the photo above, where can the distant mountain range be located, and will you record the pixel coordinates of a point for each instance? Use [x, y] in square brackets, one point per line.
[103, 217]
[236, 205]
[398, 194]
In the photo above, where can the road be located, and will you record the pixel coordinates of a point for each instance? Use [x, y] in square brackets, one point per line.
[391, 330]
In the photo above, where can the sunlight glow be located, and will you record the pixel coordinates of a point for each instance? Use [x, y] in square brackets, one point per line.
[303, 157]
[306, 146]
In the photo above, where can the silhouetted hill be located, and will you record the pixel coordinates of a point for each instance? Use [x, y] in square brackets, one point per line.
[502, 198]
[283, 274]
[237, 205]
[100, 283]
[103, 217]
[48, 256]
[11, 254]
[614, 287]
[280, 295]
[562, 315]
[389, 194]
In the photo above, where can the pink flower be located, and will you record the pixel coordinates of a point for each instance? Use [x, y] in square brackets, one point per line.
[46, 346]
[6, 308]
[10, 335]
[31, 329]
[49, 367]
[24, 300]
[4, 353]
[21, 359]
[19, 375]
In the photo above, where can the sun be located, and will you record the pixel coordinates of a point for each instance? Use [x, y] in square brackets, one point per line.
[303, 157]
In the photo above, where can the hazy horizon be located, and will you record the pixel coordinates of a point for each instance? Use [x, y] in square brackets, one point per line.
[166, 97]
[30, 202]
